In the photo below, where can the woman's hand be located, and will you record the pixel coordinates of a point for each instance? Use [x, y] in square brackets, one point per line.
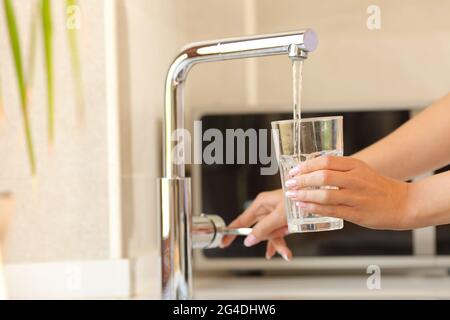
[267, 215]
[364, 197]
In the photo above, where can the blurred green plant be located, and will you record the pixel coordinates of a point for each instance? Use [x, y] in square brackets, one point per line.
[47, 28]
[43, 10]
[18, 63]
[72, 37]
[31, 66]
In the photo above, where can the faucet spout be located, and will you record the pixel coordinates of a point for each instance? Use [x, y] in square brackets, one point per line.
[175, 197]
[293, 44]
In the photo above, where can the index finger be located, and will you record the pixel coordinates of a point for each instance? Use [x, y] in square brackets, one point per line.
[261, 231]
[245, 219]
[325, 163]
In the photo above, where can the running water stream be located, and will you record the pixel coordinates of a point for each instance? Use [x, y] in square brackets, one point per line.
[297, 66]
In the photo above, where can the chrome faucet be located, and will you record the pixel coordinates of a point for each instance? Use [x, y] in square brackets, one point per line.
[180, 232]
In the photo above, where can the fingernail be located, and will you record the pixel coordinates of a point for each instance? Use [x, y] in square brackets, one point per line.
[291, 194]
[291, 183]
[250, 240]
[268, 256]
[286, 257]
[295, 170]
[301, 204]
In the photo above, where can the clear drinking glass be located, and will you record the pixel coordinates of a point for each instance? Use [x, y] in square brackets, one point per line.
[318, 137]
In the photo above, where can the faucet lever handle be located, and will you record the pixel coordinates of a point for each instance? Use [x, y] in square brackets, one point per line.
[208, 231]
[236, 231]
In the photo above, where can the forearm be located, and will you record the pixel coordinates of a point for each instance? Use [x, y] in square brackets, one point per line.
[422, 144]
[429, 201]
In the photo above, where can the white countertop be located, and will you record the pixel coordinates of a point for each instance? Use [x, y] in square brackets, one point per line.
[124, 279]
[321, 287]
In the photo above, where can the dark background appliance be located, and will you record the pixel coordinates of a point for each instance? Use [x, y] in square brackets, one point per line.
[228, 188]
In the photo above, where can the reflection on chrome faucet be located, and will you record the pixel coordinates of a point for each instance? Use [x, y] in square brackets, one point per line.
[176, 224]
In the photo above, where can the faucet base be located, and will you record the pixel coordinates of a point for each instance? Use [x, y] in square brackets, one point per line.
[176, 249]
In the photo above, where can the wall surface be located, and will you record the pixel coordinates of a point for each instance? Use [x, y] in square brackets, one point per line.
[150, 34]
[216, 84]
[402, 64]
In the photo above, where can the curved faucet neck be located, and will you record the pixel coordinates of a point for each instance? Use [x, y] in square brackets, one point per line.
[294, 44]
